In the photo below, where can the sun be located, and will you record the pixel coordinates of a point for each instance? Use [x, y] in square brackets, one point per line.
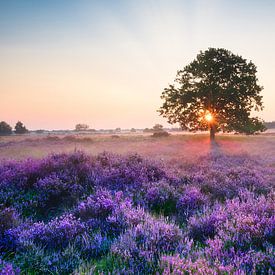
[209, 117]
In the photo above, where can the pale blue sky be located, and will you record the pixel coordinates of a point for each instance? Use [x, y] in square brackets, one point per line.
[106, 63]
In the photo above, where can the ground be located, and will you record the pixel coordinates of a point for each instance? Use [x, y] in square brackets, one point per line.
[136, 204]
[173, 149]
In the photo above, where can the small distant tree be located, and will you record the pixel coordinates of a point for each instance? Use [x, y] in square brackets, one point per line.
[40, 131]
[5, 128]
[133, 130]
[158, 128]
[118, 129]
[216, 91]
[147, 130]
[81, 127]
[20, 128]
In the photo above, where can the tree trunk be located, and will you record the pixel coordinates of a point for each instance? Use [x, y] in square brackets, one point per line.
[212, 133]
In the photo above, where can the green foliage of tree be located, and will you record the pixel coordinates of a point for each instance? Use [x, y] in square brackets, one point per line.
[253, 125]
[20, 128]
[5, 128]
[216, 82]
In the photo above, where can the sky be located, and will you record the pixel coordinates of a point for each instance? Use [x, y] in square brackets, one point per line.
[105, 63]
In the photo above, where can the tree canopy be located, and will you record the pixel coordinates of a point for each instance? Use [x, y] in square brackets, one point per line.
[20, 128]
[5, 128]
[217, 91]
[81, 127]
[157, 128]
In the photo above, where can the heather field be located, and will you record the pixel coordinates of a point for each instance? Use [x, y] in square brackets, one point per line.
[133, 204]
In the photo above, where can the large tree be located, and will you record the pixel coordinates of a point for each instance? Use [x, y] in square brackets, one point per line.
[216, 91]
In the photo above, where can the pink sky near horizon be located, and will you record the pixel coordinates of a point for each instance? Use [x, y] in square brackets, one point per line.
[107, 66]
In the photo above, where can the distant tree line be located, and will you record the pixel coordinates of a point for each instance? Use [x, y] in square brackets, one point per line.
[6, 129]
[270, 125]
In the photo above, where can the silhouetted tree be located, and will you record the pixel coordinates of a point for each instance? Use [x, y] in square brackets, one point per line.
[81, 127]
[216, 91]
[5, 128]
[157, 128]
[147, 130]
[20, 128]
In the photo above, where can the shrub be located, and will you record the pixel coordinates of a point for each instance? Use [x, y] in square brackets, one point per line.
[190, 201]
[177, 265]
[221, 176]
[8, 219]
[58, 233]
[241, 223]
[125, 173]
[161, 197]
[160, 134]
[52, 138]
[99, 205]
[111, 214]
[8, 269]
[204, 227]
[141, 246]
[38, 260]
[55, 190]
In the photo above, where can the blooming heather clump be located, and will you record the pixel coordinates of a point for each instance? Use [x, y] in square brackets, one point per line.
[125, 173]
[161, 197]
[223, 176]
[177, 265]
[8, 219]
[239, 233]
[244, 221]
[57, 233]
[34, 187]
[190, 201]
[55, 189]
[111, 214]
[250, 262]
[8, 269]
[204, 227]
[98, 205]
[142, 245]
[250, 222]
[26, 173]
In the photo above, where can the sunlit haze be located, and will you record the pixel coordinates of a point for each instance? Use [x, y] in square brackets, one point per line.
[105, 63]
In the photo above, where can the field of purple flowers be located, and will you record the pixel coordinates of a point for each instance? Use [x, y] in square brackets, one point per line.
[113, 214]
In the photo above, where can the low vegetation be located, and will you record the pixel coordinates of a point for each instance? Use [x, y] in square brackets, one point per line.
[113, 214]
